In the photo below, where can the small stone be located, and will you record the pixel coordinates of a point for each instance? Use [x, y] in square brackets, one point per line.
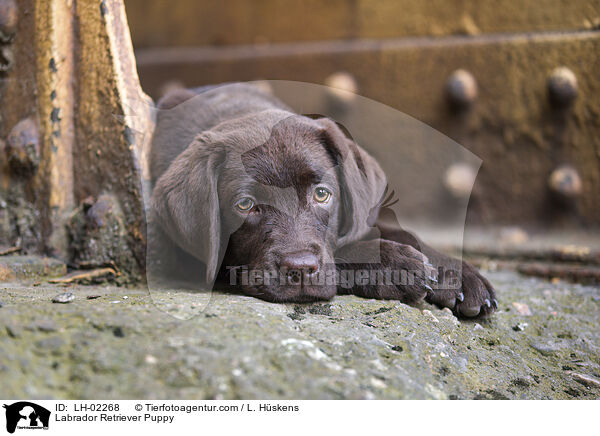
[430, 315]
[547, 349]
[520, 327]
[521, 308]
[64, 298]
[585, 379]
[377, 383]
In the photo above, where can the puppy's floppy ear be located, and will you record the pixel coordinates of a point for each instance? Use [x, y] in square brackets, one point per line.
[186, 205]
[362, 181]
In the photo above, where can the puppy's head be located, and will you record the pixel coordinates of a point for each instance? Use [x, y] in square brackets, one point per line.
[268, 208]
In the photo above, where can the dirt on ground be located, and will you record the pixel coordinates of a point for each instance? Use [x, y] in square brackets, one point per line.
[108, 342]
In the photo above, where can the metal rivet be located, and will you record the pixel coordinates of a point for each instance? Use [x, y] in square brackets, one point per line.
[459, 179]
[562, 86]
[9, 15]
[170, 86]
[7, 59]
[23, 148]
[98, 215]
[342, 88]
[264, 86]
[565, 181]
[461, 89]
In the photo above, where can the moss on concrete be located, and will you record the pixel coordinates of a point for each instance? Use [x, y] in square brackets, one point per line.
[240, 347]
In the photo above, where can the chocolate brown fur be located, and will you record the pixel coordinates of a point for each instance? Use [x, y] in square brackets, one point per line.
[216, 145]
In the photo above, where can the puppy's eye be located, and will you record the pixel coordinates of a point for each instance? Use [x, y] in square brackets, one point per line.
[244, 204]
[322, 195]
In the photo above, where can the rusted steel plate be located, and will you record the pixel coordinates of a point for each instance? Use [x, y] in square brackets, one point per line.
[163, 23]
[29, 267]
[582, 255]
[513, 127]
[73, 124]
[574, 273]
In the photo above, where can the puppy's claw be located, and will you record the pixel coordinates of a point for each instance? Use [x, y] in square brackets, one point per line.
[487, 303]
[433, 279]
[429, 288]
[495, 303]
[428, 264]
[460, 297]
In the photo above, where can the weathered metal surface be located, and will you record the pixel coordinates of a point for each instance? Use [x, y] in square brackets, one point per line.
[227, 22]
[74, 80]
[22, 149]
[29, 267]
[569, 253]
[8, 19]
[574, 273]
[114, 120]
[513, 126]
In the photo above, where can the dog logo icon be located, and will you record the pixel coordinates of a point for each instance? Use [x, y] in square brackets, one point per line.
[26, 415]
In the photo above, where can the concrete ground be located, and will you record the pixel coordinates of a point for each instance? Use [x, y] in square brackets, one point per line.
[112, 342]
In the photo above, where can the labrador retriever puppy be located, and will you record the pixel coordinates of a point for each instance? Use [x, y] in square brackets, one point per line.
[251, 197]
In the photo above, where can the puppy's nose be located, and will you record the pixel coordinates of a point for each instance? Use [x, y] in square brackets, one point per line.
[300, 260]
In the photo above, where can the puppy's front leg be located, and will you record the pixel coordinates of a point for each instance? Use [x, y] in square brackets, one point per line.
[461, 287]
[383, 269]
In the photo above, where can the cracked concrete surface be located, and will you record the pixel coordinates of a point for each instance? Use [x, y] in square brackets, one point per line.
[544, 342]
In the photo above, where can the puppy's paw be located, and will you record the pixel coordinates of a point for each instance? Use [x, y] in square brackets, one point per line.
[479, 296]
[411, 283]
[429, 273]
[415, 276]
[474, 298]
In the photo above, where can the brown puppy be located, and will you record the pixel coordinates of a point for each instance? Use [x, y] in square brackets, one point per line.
[248, 195]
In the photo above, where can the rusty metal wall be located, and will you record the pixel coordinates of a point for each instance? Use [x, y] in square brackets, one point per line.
[70, 112]
[534, 125]
[168, 23]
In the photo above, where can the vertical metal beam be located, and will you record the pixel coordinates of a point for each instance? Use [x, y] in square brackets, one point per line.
[74, 74]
